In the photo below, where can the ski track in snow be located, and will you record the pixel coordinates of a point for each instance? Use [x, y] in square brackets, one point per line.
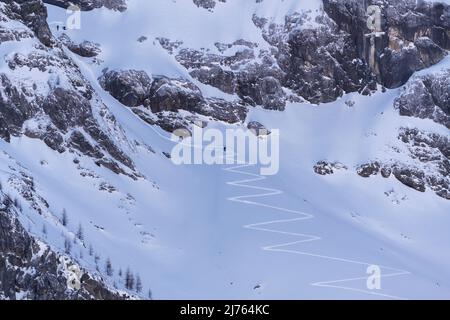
[264, 192]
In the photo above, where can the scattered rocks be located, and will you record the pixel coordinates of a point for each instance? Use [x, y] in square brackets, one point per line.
[410, 177]
[207, 4]
[326, 168]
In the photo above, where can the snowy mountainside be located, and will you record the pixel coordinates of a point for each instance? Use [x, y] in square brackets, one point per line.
[85, 122]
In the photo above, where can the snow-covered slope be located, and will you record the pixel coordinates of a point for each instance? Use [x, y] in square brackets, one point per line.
[200, 231]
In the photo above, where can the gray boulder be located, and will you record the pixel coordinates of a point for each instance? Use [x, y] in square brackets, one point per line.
[258, 129]
[172, 95]
[130, 87]
[160, 95]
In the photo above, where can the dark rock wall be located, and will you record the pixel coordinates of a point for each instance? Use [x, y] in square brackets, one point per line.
[31, 270]
[416, 34]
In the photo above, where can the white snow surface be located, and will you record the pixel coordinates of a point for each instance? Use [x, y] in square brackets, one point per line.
[189, 232]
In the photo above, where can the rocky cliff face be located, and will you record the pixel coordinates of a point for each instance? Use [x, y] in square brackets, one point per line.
[58, 106]
[30, 269]
[119, 5]
[427, 97]
[158, 100]
[316, 64]
[415, 35]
